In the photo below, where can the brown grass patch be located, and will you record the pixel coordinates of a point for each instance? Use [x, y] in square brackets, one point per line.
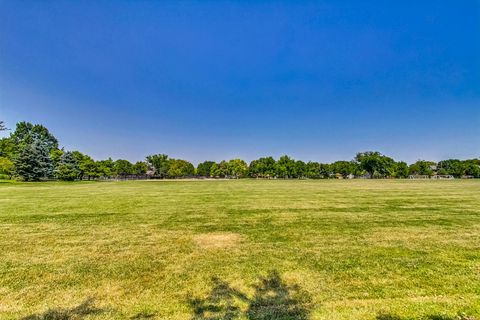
[217, 240]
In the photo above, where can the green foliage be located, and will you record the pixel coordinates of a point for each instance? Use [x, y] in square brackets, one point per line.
[26, 133]
[160, 163]
[219, 170]
[106, 168]
[33, 161]
[375, 164]
[344, 168]
[123, 168]
[472, 168]
[180, 169]
[7, 167]
[55, 155]
[300, 169]
[204, 168]
[452, 167]
[422, 167]
[7, 148]
[67, 168]
[237, 168]
[262, 168]
[372, 163]
[285, 167]
[140, 168]
[400, 170]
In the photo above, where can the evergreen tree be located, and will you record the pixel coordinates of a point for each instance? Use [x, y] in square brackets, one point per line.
[67, 168]
[33, 162]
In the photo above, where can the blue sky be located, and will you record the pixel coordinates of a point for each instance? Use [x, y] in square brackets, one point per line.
[215, 80]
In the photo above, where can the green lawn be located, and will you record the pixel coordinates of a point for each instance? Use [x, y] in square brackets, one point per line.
[240, 249]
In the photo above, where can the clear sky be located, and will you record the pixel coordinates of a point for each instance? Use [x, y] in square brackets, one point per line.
[214, 80]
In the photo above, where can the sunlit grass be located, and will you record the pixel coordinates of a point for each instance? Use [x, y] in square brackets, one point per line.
[147, 249]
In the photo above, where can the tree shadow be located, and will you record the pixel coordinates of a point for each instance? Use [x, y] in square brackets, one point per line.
[220, 304]
[273, 299]
[81, 311]
[144, 315]
[389, 316]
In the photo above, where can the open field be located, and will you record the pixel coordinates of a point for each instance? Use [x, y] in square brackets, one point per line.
[240, 250]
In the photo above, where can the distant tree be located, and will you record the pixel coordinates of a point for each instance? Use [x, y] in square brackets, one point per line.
[312, 170]
[262, 168]
[140, 168]
[88, 168]
[106, 168]
[472, 168]
[180, 169]
[400, 169]
[123, 168]
[55, 155]
[375, 164]
[219, 170]
[422, 167]
[285, 167]
[300, 170]
[2, 126]
[452, 167]
[344, 168]
[7, 167]
[160, 163]
[67, 168]
[84, 164]
[237, 168]
[26, 133]
[7, 148]
[204, 168]
[33, 161]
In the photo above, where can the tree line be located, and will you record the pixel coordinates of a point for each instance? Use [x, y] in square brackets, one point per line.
[32, 153]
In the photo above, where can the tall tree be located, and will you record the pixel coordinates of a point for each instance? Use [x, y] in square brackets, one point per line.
[375, 164]
[7, 167]
[312, 170]
[422, 167]
[140, 168]
[204, 168]
[285, 167]
[33, 162]
[453, 167]
[180, 169]
[262, 168]
[106, 168]
[344, 168]
[219, 170]
[67, 168]
[160, 163]
[123, 168]
[400, 170]
[26, 133]
[237, 168]
[2, 126]
[472, 168]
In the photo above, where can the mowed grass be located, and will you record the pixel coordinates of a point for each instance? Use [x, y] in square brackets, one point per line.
[321, 249]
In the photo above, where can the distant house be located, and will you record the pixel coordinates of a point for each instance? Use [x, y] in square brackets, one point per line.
[418, 176]
[150, 173]
[443, 176]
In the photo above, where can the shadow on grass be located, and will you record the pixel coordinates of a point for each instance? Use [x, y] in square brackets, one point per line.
[144, 315]
[389, 316]
[79, 312]
[273, 299]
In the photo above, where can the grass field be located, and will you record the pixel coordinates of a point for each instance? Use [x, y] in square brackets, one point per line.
[240, 250]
